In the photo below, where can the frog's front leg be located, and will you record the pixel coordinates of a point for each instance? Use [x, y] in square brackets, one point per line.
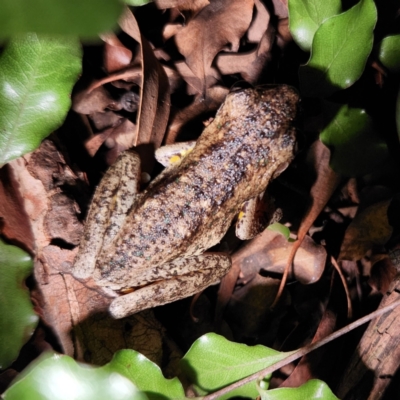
[116, 194]
[199, 272]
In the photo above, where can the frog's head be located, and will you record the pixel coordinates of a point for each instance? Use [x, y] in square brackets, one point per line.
[270, 102]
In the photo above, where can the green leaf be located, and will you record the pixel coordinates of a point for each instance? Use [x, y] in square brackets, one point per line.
[17, 319]
[214, 362]
[36, 78]
[312, 390]
[340, 50]
[62, 17]
[145, 375]
[282, 229]
[137, 3]
[58, 377]
[356, 147]
[389, 52]
[305, 17]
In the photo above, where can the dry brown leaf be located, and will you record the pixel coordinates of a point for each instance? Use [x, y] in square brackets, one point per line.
[280, 8]
[269, 251]
[284, 35]
[116, 55]
[251, 64]
[249, 311]
[14, 219]
[214, 97]
[194, 84]
[154, 95]
[321, 191]
[65, 304]
[260, 23]
[368, 230]
[152, 105]
[383, 273]
[191, 5]
[306, 369]
[218, 26]
[171, 30]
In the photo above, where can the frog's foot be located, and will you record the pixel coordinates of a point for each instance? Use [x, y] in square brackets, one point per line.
[204, 270]
[117, 193]
[173, 154]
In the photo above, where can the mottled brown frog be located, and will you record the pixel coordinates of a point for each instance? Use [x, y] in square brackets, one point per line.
[155, 241]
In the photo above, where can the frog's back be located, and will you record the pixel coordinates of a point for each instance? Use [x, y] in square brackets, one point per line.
[190, 209]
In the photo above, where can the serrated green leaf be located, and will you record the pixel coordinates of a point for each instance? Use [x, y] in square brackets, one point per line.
[337, 56]
[282, 229]
[306, 16]
[36, 78]
[356, 147]
[314, 389]
[58, 377]
[389, 52]
[62, 17]
[214, 362]
[17, 319]
[145, 375]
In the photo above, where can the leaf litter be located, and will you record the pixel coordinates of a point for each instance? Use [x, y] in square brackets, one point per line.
[155, 84]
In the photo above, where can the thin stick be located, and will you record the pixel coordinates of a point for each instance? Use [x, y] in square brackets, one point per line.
[292, 356]
[345, 287]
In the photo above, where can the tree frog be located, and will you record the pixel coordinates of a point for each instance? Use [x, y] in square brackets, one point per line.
[149, 248]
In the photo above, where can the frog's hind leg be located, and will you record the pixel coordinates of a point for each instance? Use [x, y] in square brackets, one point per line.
[254, 216]
[200, 272]
[116, 194]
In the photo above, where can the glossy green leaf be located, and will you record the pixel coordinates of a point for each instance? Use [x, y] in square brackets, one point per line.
[214, 362]
[389, 52]
[282, 229]
[62, 17]
[58, 377]
[340, 50]
[17, 319]
[356, 147]
[137, 3]
[146, 375]
[305, 17]
[36, 78]
[314, 389]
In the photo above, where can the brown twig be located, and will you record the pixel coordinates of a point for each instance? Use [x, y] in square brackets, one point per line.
[345, 287]
[294, 355]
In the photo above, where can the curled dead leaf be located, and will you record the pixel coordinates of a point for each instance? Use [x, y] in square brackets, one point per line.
[218, 26]
[268, 252]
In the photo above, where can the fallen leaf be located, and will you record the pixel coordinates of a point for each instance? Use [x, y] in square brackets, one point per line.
[369, 229]
[250, 64]
[14, 219]
[76, 313]
[154, 95]
[192, 5]
[218, 26]
[116, 55]
[268, 252]
[214, 97]
[321, 191]
[259, 24]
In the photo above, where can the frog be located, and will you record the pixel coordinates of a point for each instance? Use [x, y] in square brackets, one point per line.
[148, 248]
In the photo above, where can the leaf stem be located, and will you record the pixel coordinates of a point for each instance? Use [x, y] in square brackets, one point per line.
[294, 355]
